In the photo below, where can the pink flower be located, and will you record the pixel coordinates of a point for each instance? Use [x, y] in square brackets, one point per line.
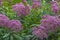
[55, 7]
[36, 4]
[40, 32]
[15, 25]
[21, 9]
[0, 2]
[3, 20]
[48, 24]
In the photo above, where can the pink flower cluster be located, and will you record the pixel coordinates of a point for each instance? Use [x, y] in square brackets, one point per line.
[11, 24]
[51, 23]
[21, 9]
[0, 2]
[48, 24]
[3, 20]
[36, 4]
[15, 25]
[55, 7]
[40, 32]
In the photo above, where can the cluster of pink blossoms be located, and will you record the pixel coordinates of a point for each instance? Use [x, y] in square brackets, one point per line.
[3, 20]
[0, 2]
[36, 4]
[15, 25]
[11, 24]
[48, 24]
[55, 7]
[21, 9]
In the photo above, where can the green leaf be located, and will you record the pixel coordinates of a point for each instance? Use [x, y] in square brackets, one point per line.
[11, 38]
[59, 38]
[6, 35]
[17, 37]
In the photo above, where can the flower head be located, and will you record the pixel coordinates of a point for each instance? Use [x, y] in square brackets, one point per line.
[15, 25]
[40, 32]
[48, 24]
[3, 20]
[21, 9]
[0, 2]
[36, 4]
[55, 7]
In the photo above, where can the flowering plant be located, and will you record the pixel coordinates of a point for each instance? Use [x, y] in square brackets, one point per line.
[29, 20]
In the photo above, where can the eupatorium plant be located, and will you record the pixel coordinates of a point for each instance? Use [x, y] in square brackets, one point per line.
[51, 23]
[48, 24]
[3, 20]
[11, 24]
[55, 7]
[40, 32]
[36, 4]
[0, 2]
[21, 9]
[15, 25]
